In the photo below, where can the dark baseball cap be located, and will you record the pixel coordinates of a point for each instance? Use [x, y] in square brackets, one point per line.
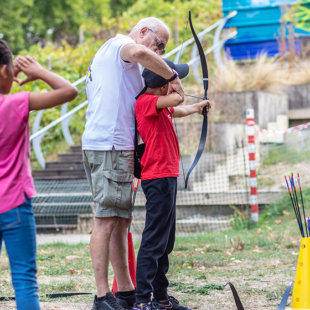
[154, 80]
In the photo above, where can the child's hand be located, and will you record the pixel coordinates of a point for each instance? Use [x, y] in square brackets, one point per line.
[30, 67]
[16, 71]
[202, 104]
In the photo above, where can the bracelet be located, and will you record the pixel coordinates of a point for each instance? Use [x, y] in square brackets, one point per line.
[175, 75]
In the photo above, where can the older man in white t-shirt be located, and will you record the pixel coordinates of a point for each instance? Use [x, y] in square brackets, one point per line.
[113, 81]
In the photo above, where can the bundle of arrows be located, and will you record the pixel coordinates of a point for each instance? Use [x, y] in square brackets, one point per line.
[300, 297]
[304, 229]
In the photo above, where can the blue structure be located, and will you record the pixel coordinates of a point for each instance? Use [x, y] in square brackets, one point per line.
[259, 28]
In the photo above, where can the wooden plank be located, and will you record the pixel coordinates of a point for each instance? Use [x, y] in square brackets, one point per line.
[185, 198]
[71, 226]
[299, 114]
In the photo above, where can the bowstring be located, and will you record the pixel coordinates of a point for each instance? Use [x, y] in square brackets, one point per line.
[175, 125]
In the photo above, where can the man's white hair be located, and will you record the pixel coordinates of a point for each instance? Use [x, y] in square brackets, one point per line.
[152, 23]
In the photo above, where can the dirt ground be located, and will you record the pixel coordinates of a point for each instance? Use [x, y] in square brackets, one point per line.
[260, 262]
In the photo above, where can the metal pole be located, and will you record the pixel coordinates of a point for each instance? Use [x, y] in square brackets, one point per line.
[253, 179]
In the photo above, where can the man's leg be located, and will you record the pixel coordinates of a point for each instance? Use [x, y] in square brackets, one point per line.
[119, 255]
[110, 179]
[99, 251]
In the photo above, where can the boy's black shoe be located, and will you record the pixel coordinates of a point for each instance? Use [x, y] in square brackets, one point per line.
[149, 306]
[170, 303]
[126, 299]
[108, 302]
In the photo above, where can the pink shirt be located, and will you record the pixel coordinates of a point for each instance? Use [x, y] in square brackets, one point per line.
[15, 171]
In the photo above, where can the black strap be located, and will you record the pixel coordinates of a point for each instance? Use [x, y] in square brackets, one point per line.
[282, 303]
[136, 130]
[133, 199]
[141, 92]
[236, 296]
[57, 295]
[136, 136]
[285, 296]
[173, 77]
[6, 298]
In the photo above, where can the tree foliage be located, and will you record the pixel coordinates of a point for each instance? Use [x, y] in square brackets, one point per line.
[24, 23]
[27, 22]
[71, 60]
[119, 6]
[12, 20]
[204, 13]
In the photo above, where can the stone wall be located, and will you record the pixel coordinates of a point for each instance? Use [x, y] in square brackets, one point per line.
[232, 106]
[227, 119]
[298, 96]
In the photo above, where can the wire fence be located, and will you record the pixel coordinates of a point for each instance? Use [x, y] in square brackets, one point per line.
[279, 158]
[218, 197]
[217, 188]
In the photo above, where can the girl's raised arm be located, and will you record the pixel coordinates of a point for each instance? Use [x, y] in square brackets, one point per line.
[63, 90]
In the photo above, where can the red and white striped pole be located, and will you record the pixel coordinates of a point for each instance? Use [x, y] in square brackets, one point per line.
[251, 149]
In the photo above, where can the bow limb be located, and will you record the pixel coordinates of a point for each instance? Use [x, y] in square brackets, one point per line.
[204, 130]
[203, 60]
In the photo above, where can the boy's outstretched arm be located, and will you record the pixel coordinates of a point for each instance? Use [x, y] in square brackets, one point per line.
[168, 101]
[186, 110]
[63, 90]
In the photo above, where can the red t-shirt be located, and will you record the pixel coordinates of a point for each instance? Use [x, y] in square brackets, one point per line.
[161, 156]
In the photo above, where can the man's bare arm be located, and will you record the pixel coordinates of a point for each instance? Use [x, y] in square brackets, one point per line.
[150, 60]
[147, 58]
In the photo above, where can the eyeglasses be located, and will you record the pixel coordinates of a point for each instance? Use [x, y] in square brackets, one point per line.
[160, 45]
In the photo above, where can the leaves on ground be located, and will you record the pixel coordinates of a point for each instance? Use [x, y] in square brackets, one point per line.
[259, 264]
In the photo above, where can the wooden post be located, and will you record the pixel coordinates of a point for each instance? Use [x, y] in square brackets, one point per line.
[49, 65]
[81, 36]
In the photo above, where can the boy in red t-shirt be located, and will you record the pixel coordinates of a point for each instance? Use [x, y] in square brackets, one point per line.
[160, 169]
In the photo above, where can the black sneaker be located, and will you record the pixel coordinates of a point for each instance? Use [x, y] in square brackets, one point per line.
[108, 302]
[170, 303]
[149, 306]
[125, 299]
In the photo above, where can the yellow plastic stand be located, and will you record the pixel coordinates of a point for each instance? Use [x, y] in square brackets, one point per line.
[301, 292]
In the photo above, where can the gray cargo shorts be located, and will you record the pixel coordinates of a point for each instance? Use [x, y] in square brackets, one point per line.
[110, 175]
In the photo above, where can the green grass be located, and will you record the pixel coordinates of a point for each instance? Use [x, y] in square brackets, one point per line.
[285, 203]
[265, 181]
[201, 290]
[199, 266]
[286, 153]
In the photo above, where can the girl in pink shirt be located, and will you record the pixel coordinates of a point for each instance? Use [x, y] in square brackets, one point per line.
[17, 223]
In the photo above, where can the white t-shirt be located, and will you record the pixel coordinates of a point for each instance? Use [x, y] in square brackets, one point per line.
[111, 88]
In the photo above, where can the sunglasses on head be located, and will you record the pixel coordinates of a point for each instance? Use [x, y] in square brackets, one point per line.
[160, 43]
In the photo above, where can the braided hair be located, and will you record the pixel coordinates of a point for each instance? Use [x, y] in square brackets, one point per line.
[5, 53]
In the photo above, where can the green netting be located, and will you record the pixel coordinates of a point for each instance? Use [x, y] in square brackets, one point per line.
[217, 199]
